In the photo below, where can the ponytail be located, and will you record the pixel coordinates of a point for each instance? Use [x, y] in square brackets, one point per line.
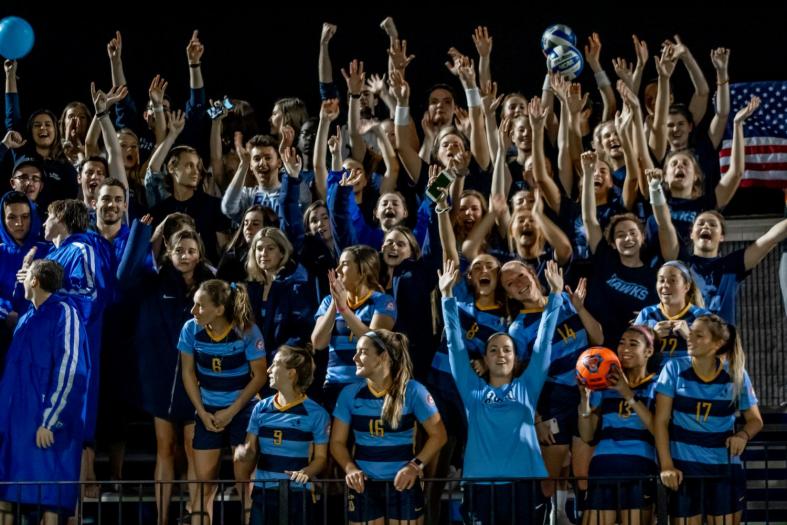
[396, 345]
[235, 300]
[731, 347]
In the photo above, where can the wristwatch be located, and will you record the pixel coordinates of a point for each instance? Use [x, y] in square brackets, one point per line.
[418, 463]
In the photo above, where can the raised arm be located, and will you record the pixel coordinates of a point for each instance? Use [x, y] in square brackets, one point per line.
[729, 182]
[699, 100]
[230, 201]
[404, 127]
[114, 49]
[490, 101]
[721, 59]
[551, 193]
[216, 147]
[102, 102]
[465, 70]
[355, 81]
[391, 176]
[624, 124]
[593, 58]
[464, 375]
[588, 200]
[154, 183]
[668, 236]
[329, 111]
[13, 111]
[483, 44]
[377, 86]
[665, 66]
[552, 233]
[757, 250]
[536, 372]
[501, 177]
[471, 247]
[194, 51]
[446, 229]
[592, 326]
[324, 66]
[158, 86]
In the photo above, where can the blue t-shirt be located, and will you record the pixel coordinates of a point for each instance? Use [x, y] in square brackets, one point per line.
[341, 348]
[501, 439]
[718, 279]
[703, 411]
[285, 435]
[623, 433]
[222, 366]
[381, 451]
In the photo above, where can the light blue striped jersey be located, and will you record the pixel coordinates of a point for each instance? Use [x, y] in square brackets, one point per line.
[501, 439]
[477, 326]
[570, 339]
[381, 451]
[703, 412]
[673, 345]
[222, 365]
[285, 435]
[341, 348]
[622, 431]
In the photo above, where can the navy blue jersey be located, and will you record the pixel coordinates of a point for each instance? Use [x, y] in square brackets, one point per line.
[703, 411]
[718, 279]
[221, 361]
[341, 349]
[286, 434]
[381, 451]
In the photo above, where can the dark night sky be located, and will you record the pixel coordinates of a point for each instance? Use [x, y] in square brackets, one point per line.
[263, 53]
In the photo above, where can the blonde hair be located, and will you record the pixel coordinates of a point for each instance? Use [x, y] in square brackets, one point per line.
[235, 300]
[396, 345]
[285, 247]
[368, 261]
[694, 295]
[720, 330]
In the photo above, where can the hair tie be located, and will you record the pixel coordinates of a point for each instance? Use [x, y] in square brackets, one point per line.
[644, 331]
[682, 268]
[233, 285]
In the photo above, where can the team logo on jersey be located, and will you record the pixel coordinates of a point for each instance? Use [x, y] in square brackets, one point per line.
[429, 400]
[260, 344]
[390, 306]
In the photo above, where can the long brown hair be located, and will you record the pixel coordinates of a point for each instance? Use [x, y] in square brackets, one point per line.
[731, 346]
[396, 345]
[300, 360]
[368, 261]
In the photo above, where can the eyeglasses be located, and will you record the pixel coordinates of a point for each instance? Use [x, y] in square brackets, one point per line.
[35, 179]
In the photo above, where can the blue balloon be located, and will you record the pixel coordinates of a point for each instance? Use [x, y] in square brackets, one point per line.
[16, 37]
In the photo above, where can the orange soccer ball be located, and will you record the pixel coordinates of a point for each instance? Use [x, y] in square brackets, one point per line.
[593, 366]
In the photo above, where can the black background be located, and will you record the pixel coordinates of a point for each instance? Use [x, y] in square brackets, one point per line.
[262, 52]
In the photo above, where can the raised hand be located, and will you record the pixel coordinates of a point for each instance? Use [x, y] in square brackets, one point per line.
[115, 95]
[537, 114]
[429, 128]
[460, 163]
[624, 70]
[462, 120]
[554, 276]
[457, 59]
[389, 27]
[375, 83]
[578, 296]
[447, 277]
[287, 138]
[177, 121]
[356, 78]
[655, 177]
[292, 162]
[575, 101]
[489, 97]
[328, 30]
[240, 149]
[338, 291]
[399, 57]
[194, 49]
[330, 109]
[114, 47]
[588, 160]
[10, 68]
[720, 57]
[560, 86]
[400, 88]
[504, 133]
[482, 41]
[747, 110]
[665, 65]
[103, 101]
[679, 47]
[335, 142]
[13, 140]
[641, 49]
[466, 73]
[627, 94]
[593, 52]
[158, 86]
[624, 119]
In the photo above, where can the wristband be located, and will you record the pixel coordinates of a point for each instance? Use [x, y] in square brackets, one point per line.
[473, 97]
[417, 463]
[602, 80]
[748, 437]
[718, 83]
[547, 85]
[584, 414]
[355, 95]
[442, 210]
[195, 65]
[102, 114]
[158, 109]
[402, 115]
[630, 401]
[657, 197]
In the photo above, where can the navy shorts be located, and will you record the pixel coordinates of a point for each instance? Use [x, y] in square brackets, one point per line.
[233, 434]
[265, 506]
[619, 492]
[522, 503]
[722, 492]
[560, 402]
[371, 504]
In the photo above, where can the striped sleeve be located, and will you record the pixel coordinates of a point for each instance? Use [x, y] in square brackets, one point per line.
[66, 344]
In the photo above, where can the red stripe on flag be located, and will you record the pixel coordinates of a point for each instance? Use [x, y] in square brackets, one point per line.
[761, 166]
[763, 183]
[756, 150]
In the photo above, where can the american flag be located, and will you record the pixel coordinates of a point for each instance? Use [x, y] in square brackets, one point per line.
[765, 132]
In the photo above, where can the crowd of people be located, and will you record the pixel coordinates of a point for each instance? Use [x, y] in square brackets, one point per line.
[351, 292]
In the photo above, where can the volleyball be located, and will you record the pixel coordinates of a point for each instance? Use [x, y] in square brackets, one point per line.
[565, 60]
[593, 366]
[558, 35]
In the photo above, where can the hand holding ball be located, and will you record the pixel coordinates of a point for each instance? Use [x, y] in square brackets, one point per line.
[593, 366]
